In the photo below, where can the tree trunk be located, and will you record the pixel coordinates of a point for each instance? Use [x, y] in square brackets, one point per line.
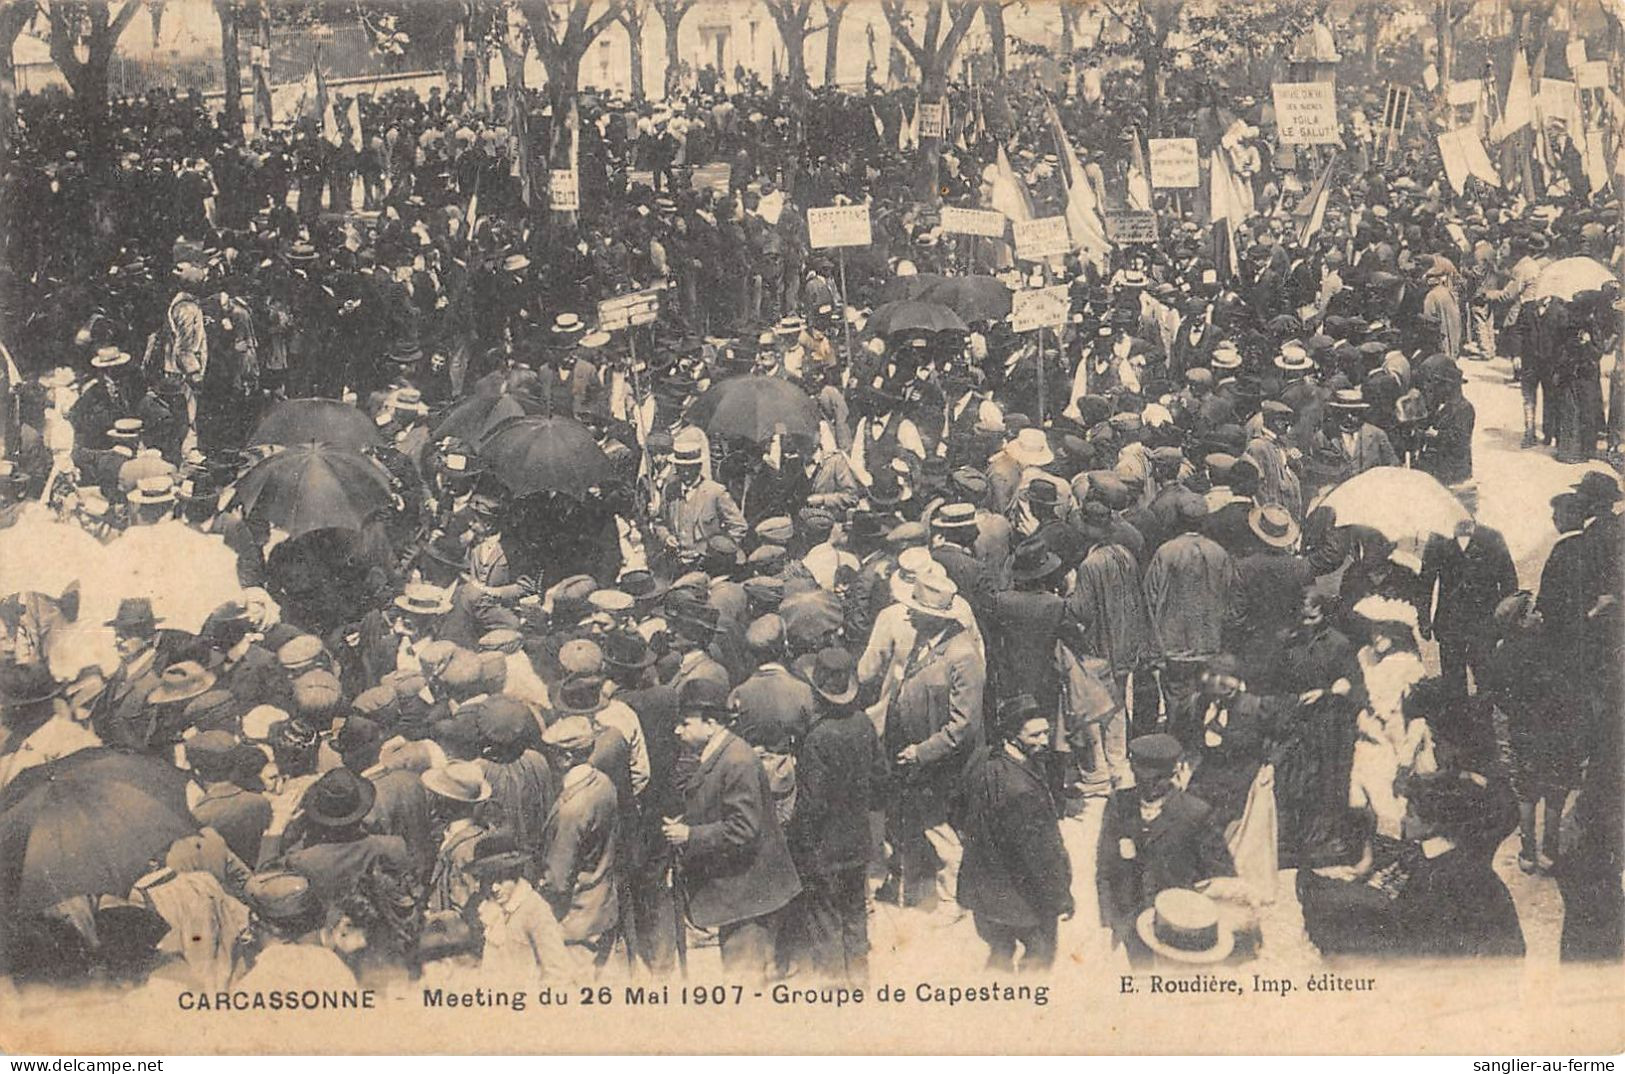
[1446, 32]
[794, 34]
[634, 38]
[673, 20]
[1151, 81]
[933, 87]
[833, 14]
[459, 55]
[993, 13]
[1069, 22]
[231, 65]
[1373, 29]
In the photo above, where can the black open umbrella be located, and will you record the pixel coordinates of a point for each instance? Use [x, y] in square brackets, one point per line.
[755, 407]
[316, 421]
[914, 316]
[313, 486]
[496, 397]
[87, 824]
[974, 298]
[530, 455]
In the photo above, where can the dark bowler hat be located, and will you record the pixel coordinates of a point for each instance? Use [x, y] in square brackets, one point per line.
[626, 650]
[498, 855]
[134, 617]
[338, 799]
[702, 697]
[834, 676]
[1033, 559]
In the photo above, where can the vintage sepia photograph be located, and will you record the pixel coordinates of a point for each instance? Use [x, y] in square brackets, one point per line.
[811, 526]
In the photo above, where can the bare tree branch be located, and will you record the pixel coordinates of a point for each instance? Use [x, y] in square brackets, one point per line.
[897, 18]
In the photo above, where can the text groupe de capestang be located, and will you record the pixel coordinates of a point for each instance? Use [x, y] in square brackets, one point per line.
[781, 994]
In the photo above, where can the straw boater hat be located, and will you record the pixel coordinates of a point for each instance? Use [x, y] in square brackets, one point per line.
[421, 598]
[1273, 525]
[150, 491]
[1184, 926]
[109, 357]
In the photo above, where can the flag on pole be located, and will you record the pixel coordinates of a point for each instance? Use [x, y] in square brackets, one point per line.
[1139, 182]
[1009, 195]
[1520, 101]
[519, 123]
[1083, 219]
[908, 132]
[353, 117]
[1311, 211]
[325, 114]
[1224, 213]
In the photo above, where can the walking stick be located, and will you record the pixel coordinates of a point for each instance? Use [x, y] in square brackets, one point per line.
[675, 878]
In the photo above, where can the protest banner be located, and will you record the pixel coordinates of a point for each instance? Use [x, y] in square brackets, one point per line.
[933, 118]
[1175, 163]
[984, 222]
[564, 191]
[838, 225]
[1593, 74]
[1306, 112]
[1040, 307]
[625, 311]
[1038, 240]
[1131, 226]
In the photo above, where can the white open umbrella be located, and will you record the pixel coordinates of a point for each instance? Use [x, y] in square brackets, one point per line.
[1403, 505]
[185, 573]
[1570, 276]
[38, 554]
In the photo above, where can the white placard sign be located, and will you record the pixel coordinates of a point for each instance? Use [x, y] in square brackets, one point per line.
[564, 191]
[623, 311]
[1038, 240]
[933, 119]
[838, 225]
[1593, 74]
[1306, 112]
[1175, 163]
[1040, 307]
[957, 221]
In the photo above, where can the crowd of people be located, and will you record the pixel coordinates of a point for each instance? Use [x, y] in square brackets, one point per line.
[735, 689]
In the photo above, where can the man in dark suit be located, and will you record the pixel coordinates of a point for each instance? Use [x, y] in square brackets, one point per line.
[249, 671]
[735, 866]
[1153, 837]
[840, 777]
[1016, 877]
[1024, 622]
[644, 856]
[772, 709]
[934, 723]
[580, 844]
[401, 805]
[334, 849]
[1474, 572]
[239, 815]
